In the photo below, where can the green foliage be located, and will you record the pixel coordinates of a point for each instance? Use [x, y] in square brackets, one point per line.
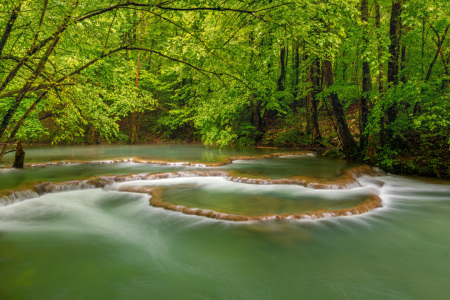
[424, 109]
[221, 118]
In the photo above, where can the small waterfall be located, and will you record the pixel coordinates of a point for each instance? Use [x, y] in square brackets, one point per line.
[48, 187]
[178, 164]
[305, 183]
[261, 181]
[325, 186]
[17, 196]
[198, 165]
[129, 177]
[72, 186]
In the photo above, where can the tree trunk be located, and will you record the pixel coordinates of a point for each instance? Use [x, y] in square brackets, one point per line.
[395, 37]
[314, 78]
[92, 134]
[297, 74]
[380, 48]
[283, 69]
[133, 120]
[348, 143]
[366, 78]
[393, 62]
[439, 42]
[403, 64]
[380, 68]
[133, 127]
[20, 156]
[256, 115]
[9, 26]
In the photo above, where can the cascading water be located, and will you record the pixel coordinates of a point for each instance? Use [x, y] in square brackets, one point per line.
[106, 241]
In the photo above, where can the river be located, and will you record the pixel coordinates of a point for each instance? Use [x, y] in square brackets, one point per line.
[103, 243]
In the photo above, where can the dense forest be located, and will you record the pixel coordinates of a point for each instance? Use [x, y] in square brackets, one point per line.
[366, 80]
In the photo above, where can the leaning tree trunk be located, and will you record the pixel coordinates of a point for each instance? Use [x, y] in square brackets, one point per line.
[348, 143]
[9, 26]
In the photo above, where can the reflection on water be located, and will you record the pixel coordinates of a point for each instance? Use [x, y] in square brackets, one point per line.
[290, 166]
[98, 244]
[167, 152]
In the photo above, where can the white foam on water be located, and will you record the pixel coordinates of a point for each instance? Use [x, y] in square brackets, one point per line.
[109, 215]
[179, 164]
[298, 155]
[217, 183]
[243, 161]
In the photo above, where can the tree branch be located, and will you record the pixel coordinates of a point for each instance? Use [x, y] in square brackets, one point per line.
[12, 109]
[32, 89]
[206, 8]
[172, 59]
[104, 10]
[9, 26]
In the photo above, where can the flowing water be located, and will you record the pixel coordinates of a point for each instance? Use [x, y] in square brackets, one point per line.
[106, 244]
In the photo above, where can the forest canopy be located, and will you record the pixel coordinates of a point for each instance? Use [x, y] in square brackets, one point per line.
[368, 79]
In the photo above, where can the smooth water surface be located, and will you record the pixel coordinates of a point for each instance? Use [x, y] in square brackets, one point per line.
[105, 244]
[289, 166]
[163, 152]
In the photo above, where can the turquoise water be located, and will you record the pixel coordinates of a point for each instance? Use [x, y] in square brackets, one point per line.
[288, 166]
[104, 244]
[219, 194]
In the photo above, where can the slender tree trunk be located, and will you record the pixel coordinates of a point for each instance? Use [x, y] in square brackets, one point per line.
[344, 67]
[393, 62]
[256, 115]
[133, 119]
[366, 78]
[403, 64]
[430, 67]
[307, 99]
[314, 78]
[281, 86]
[380, 69]
[423, 47]
[403, 30]
[439, 42]
[395, 37]
[348, 143]
[92, 134]
[297, 74]
[380, 47]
